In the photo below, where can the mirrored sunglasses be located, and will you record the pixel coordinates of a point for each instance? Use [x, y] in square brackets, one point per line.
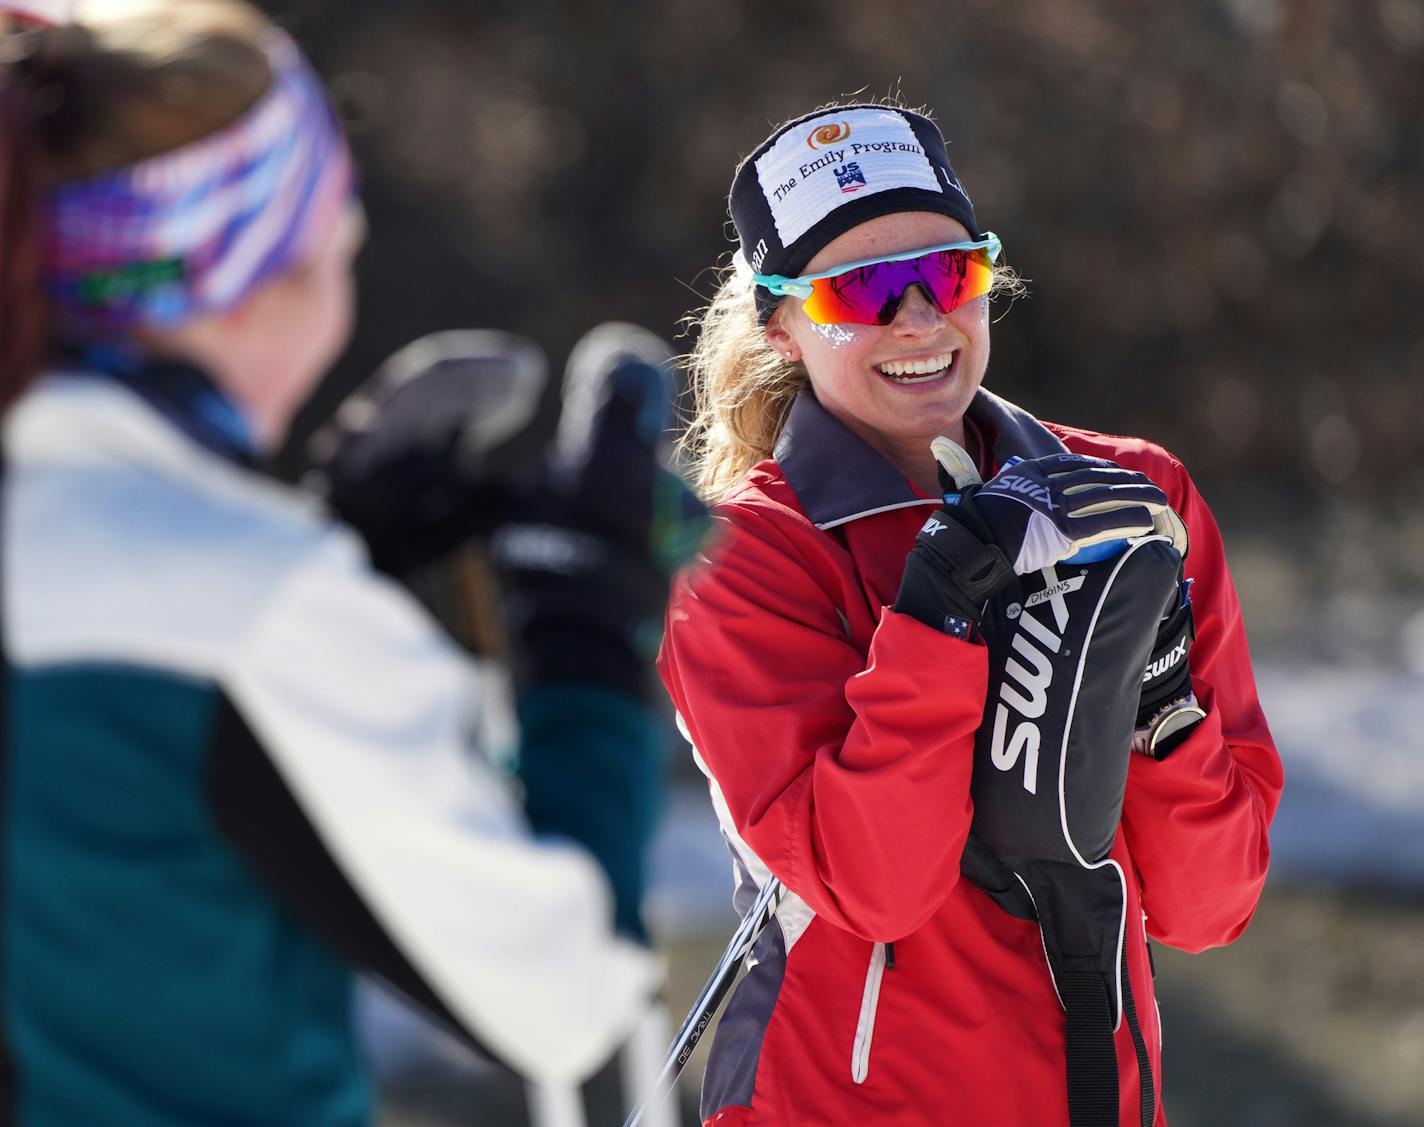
[869, 292]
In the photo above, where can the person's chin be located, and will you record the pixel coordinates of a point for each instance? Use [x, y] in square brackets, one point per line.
[933, 417]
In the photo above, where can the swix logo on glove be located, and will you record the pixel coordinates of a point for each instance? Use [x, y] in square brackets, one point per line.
[1016, 483]
[1166, 662]
[932, 526]
[1025, 690]
[1048, 509]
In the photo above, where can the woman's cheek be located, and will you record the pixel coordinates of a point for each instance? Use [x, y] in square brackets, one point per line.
[840, 336]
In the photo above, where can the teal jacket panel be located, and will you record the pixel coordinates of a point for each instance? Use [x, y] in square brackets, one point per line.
[127, 910]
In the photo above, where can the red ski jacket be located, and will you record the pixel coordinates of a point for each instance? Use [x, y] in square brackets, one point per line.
[837, 737]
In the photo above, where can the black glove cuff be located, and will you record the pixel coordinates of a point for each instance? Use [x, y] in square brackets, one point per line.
[928, 593]
[552, 650]
[578, 606]
[949, 575]
[1168, 674]
[977, 566]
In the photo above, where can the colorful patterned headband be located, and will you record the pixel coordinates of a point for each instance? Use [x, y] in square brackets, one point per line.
[195, 230]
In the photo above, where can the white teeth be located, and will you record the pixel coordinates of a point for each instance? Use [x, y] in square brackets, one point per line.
[929, 369]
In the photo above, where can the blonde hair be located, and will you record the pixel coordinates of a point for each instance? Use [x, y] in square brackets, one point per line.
[742, 389]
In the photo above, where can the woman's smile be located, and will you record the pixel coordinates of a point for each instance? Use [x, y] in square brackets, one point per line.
[917, 371]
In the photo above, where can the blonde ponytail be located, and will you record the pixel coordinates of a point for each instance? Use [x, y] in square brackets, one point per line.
[741, 390]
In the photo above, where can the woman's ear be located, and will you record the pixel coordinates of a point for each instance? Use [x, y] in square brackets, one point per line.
[780, 338]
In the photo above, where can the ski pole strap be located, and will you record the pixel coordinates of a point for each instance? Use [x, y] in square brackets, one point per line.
[1091, 1057]
[1081, 915]
[1092, 1060]
[1147, 1088]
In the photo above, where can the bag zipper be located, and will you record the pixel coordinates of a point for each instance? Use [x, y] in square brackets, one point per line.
[882, 955]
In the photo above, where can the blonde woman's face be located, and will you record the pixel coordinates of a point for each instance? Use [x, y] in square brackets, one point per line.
[898, 385]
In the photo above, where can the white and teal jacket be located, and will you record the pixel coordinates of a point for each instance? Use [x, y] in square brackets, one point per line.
[235, 765]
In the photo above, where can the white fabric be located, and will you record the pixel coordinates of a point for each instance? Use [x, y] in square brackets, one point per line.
[125, 542]
[46, 11]
[1043, 545]
[805, 175]
[363, 712]
[794, 914]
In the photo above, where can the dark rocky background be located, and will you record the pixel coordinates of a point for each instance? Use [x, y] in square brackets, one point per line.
[1220, 208]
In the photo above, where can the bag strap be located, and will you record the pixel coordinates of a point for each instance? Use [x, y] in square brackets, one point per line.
[1147, 1088]
[1091, 1056]
[1080, 914]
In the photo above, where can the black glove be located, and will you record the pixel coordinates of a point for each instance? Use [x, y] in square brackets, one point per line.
[1167, 710]
[1028, 516]
[1048, 509]
[586, 565]
[585, 570]
[951, 572]
[438, 447]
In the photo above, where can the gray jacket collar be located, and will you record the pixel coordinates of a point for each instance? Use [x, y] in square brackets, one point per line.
[838, 478]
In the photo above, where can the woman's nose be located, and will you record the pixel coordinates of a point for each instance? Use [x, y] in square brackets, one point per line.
[917, 315]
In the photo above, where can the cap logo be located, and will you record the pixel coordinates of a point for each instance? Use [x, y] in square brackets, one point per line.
[849, 177]
[824, 135]
[829, 171]
[856, 154]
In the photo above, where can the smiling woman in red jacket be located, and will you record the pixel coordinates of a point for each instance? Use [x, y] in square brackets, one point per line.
[833, 694]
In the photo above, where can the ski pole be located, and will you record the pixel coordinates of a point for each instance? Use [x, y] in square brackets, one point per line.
[761, 913]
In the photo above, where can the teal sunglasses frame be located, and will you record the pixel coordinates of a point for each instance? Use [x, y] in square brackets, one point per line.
[800, 287]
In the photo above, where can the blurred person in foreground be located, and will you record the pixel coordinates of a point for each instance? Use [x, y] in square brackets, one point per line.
[236, 761]
[876, 697]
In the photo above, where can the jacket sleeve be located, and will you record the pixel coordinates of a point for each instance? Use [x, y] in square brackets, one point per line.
[378, 820]
[846, 775]
[1196, 821]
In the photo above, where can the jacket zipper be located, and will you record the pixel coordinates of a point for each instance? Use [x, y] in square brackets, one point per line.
[881, 956]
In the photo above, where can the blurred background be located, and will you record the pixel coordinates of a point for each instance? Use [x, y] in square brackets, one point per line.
[1220, 211]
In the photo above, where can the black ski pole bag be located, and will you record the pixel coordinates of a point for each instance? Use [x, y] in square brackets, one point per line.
[1067, 650]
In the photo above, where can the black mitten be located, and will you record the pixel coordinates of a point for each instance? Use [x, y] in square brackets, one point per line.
[438, 446]
[586, 563]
